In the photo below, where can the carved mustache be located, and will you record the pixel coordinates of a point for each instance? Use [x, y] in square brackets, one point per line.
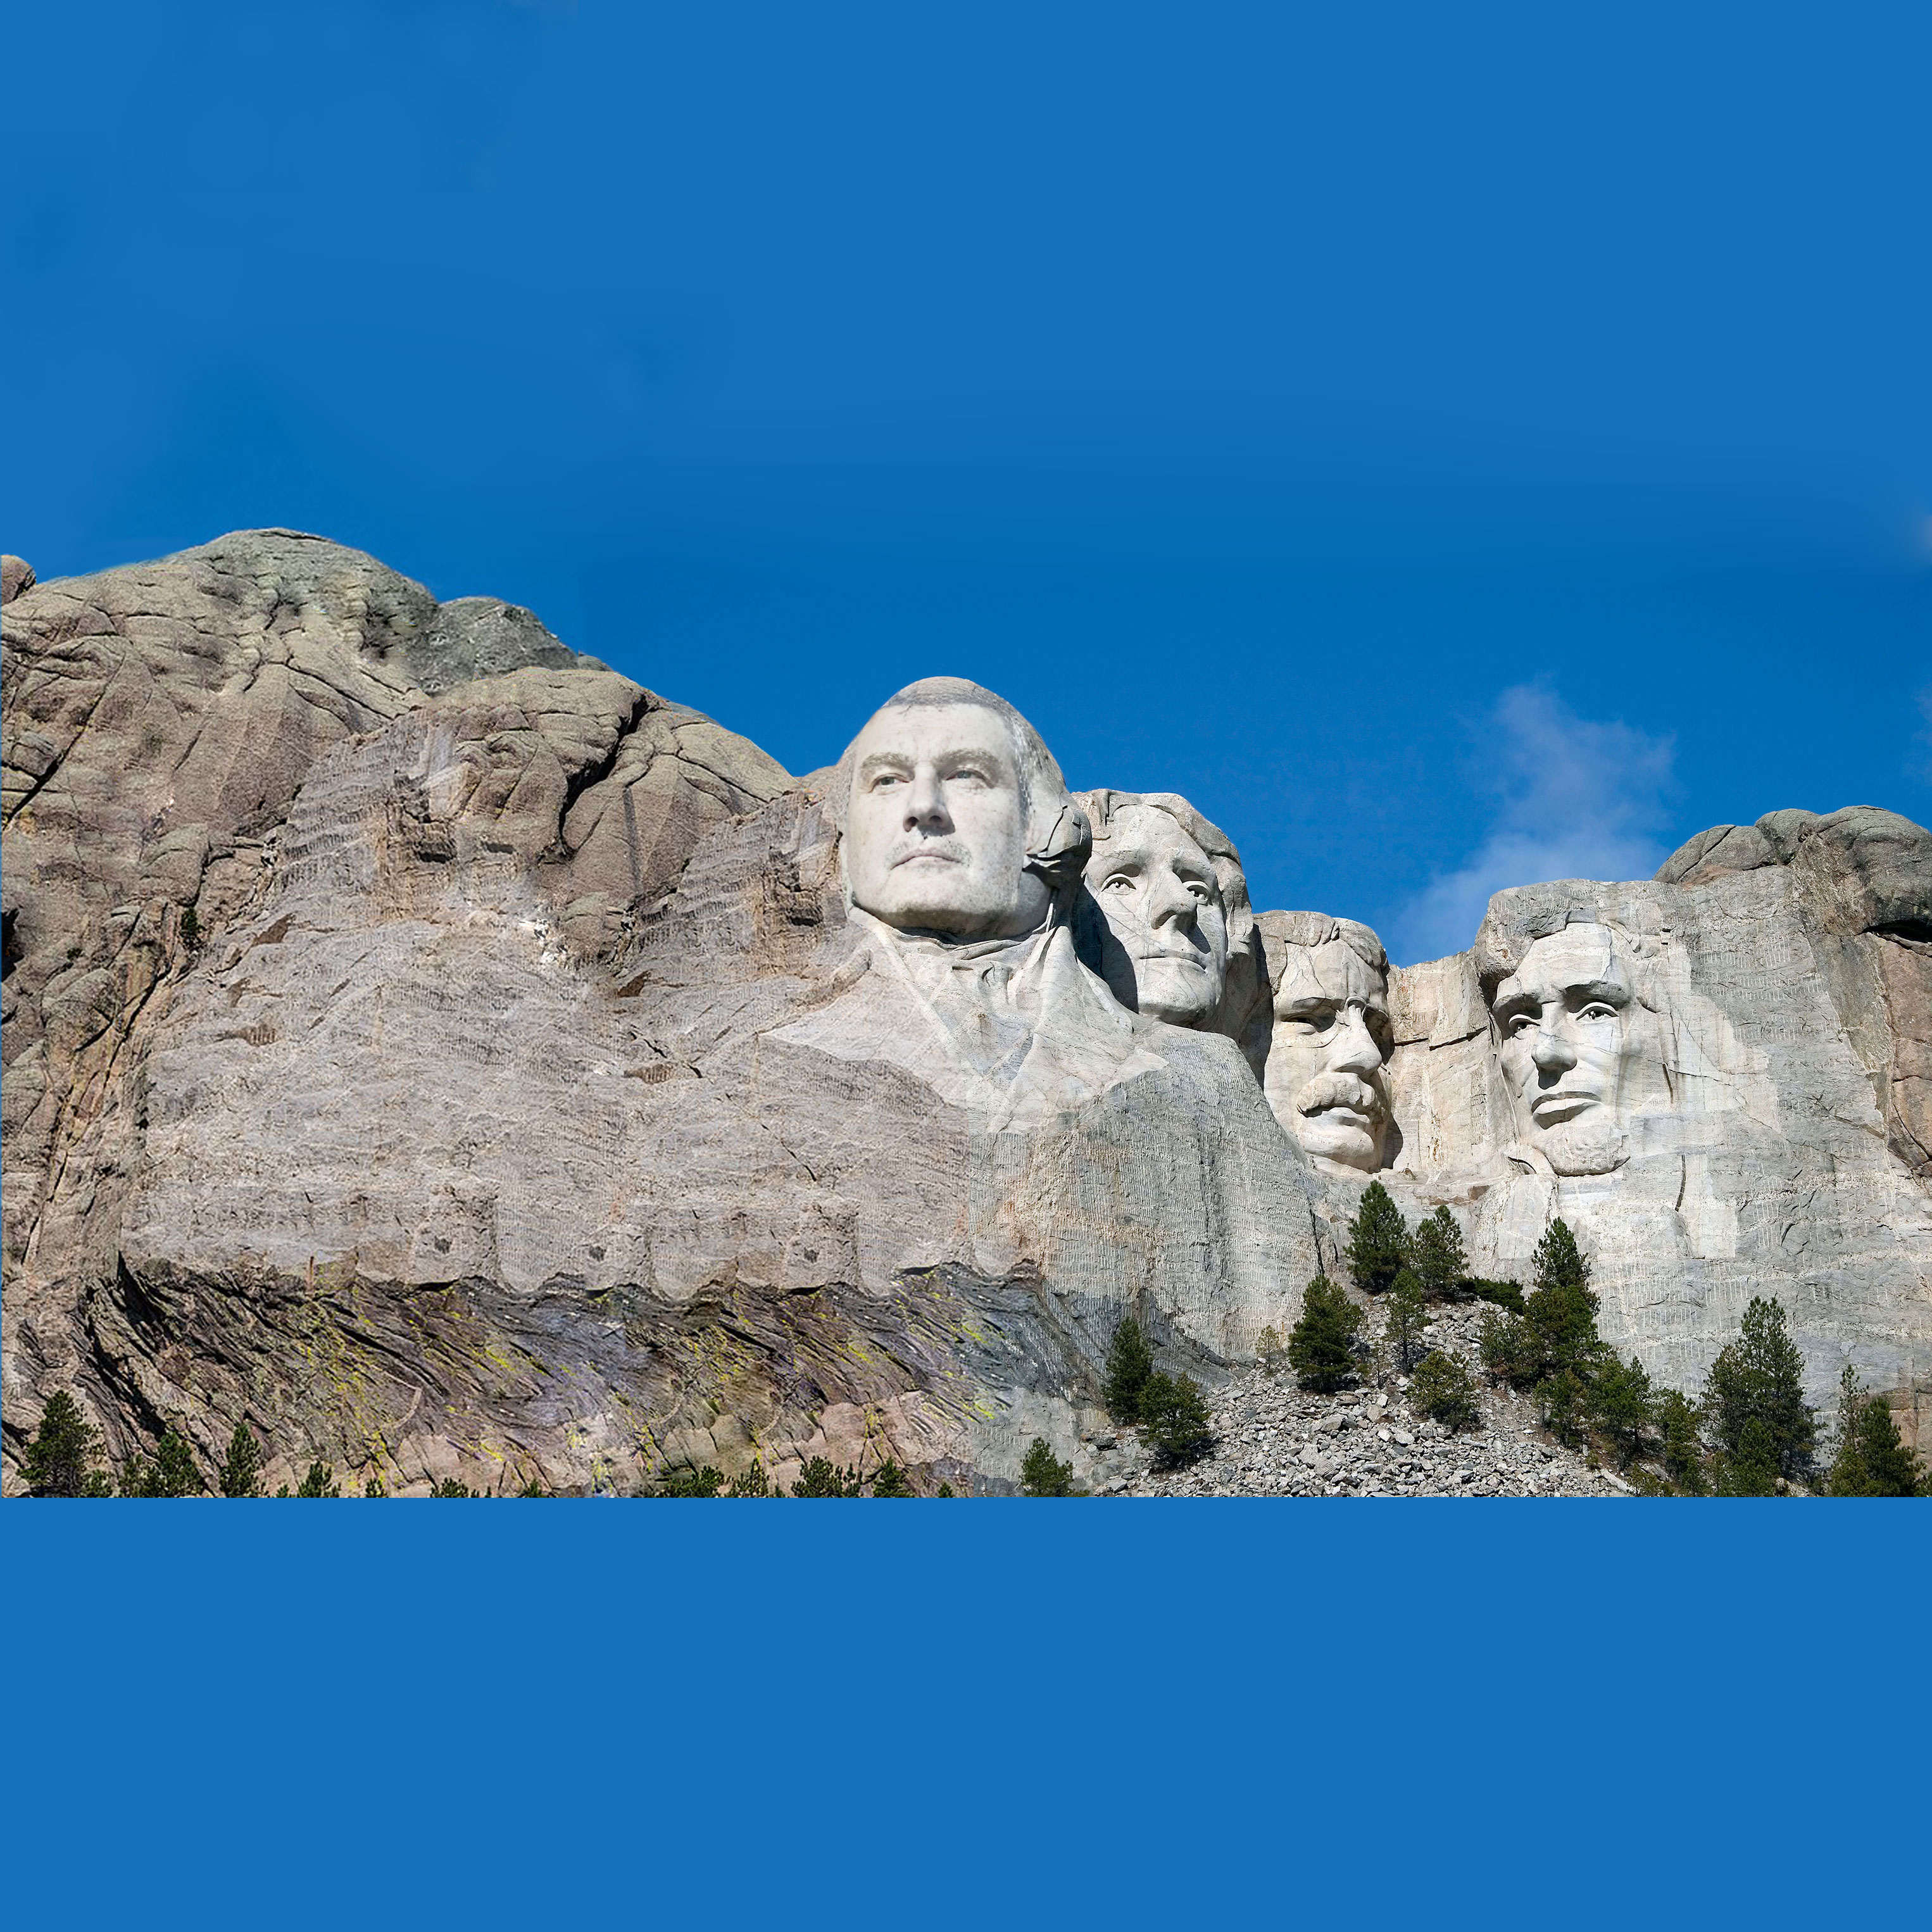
[953, 851]
[1338, 1089]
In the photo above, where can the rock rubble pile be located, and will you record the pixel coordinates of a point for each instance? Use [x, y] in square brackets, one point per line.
[1274, 1439]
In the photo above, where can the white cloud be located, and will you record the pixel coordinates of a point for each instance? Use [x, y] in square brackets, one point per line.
[1580, 800]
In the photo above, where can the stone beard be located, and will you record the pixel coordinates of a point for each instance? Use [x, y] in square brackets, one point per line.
[1325, 1079]
[1570, 1037]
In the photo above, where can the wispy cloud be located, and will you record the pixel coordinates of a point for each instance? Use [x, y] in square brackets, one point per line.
[1579, 800]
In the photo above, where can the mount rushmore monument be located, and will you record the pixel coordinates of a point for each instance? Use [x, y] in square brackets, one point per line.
[429, 1046]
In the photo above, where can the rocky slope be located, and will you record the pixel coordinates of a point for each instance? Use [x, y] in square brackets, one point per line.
[1274, 1439]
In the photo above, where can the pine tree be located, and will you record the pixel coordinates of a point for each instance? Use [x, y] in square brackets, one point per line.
[320, 1481]
[1377, 1241]
[59, 1460]
[242, 1468]
[1754, 1398]
[1553, 1346]
[751, 1482]
[1442, 1390]
[1679, 1423]
[892, 1481]
[1750, 1467]
[1437, 1258]
[1407, 1310]
[1043, 1474]
[1561, 1309]
[1128, 1365]
[1870, 1456]
[1174, 1418]
[686, 1484]
[172, 1472]
[1321, 1345]
[821, 1478]
[1622, 1405]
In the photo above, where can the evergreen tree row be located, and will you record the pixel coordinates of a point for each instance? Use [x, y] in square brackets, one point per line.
[63, 1459]
[1750, 1432]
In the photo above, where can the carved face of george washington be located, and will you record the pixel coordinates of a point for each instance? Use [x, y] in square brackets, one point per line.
[956, 820]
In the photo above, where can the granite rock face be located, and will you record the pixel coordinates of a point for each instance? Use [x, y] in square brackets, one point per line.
[1754, 1121]
[494, 1079]
[453, 1059]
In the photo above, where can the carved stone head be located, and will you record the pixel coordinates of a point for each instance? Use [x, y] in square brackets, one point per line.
[1331, 1039]
[1165, 920]
[956, 820]
[1571, 1039]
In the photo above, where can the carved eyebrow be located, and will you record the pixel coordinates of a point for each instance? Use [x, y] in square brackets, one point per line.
[1302, 1005]
[903, 761]
[1608, 991]
[976, 754]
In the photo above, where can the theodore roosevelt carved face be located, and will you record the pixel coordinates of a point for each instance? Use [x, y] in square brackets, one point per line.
[1164, 953]
[1332, 1036]
[957, 820]
[1568, 1042]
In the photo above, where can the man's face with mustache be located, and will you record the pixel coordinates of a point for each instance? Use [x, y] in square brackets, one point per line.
[1324, 1077]
[1162, 904]
[935, 832]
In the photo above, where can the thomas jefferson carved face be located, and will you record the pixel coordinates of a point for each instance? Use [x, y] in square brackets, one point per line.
[1568, 1042]
[1163, 903]
[1332, 1034]
[937, 821]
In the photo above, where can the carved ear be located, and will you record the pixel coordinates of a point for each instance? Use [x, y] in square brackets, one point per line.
[1062, 856]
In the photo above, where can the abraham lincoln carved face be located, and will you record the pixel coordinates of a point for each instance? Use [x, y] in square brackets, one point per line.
[1569, 1039]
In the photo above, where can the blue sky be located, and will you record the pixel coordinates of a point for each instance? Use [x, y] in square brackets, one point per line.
[1449, 449]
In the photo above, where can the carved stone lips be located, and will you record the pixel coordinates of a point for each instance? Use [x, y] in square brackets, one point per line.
[1340, 1096]
[929, 855]
[1551, 1110]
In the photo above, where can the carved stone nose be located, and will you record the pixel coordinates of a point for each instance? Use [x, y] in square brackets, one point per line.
[927, 804]
[1355, 1050]
[1552, 1053]
[1171, 904]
